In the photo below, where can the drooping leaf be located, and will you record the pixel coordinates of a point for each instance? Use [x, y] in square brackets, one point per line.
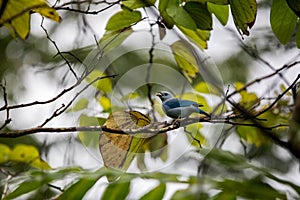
[185, 58]
[118, 150]
[198, 37]
[16, 14]
[156, 193]
[244, 14]
[166, 18]
[220, 11]
[117, 190]
[113, 39]
[123, 19]
[283, 21]
[180, 16]
[200, 14]
[206, 88]
[88, 139]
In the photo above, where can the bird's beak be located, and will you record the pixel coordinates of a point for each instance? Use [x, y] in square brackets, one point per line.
[158, 94]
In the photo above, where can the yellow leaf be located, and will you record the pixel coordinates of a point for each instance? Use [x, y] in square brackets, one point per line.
[118, 150]
[195, 135]
[16, 14]
[4, 153]
[197, 98]
[206, 88]
[48, 12]
[185, 59]
[29, 155]
[252, 135]
[198, 37]
[105, 103]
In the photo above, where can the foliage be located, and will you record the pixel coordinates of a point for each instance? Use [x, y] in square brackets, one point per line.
[117, 81]
[16, 14]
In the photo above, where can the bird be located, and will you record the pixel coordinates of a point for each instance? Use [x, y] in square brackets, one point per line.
[178, 108]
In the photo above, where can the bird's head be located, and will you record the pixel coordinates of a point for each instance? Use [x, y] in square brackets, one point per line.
[164, 95]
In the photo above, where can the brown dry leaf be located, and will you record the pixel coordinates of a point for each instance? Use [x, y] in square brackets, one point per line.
[118, 150]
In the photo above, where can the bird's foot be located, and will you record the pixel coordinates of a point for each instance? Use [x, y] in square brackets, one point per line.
[176, 123]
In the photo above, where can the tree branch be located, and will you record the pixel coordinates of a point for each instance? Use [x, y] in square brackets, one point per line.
[153, 128]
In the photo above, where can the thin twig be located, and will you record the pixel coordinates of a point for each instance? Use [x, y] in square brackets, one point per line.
[7, 120]
[63, 108]
[58, 51]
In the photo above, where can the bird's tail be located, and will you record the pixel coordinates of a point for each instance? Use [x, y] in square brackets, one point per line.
[204, 113]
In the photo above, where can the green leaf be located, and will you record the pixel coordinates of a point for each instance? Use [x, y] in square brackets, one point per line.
[29, 186]
[80, 105]
[295, 6]
[189, 193]
[283, 21]
[185, 58]
[134, 4]
[156, 193]
[254, 188]
[220, 11]
[78, 189]
[117, 190]
[244, 14]
[180, 16]
[104, 84]
[16, 14]
[157, 145]
[195, 137]
[226, 158]
[88, 139]
[219, 2]
[123, 19]
[166, 19]
[113, 39]
[252, 135]
[200, 15]
[298, 38]
[131, 95]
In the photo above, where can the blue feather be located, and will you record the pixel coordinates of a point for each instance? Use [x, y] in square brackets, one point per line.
[178, 108]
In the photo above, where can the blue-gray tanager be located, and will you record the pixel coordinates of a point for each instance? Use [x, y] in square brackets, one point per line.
[178, 108]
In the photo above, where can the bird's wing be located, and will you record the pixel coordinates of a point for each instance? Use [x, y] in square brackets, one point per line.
[173, 103]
